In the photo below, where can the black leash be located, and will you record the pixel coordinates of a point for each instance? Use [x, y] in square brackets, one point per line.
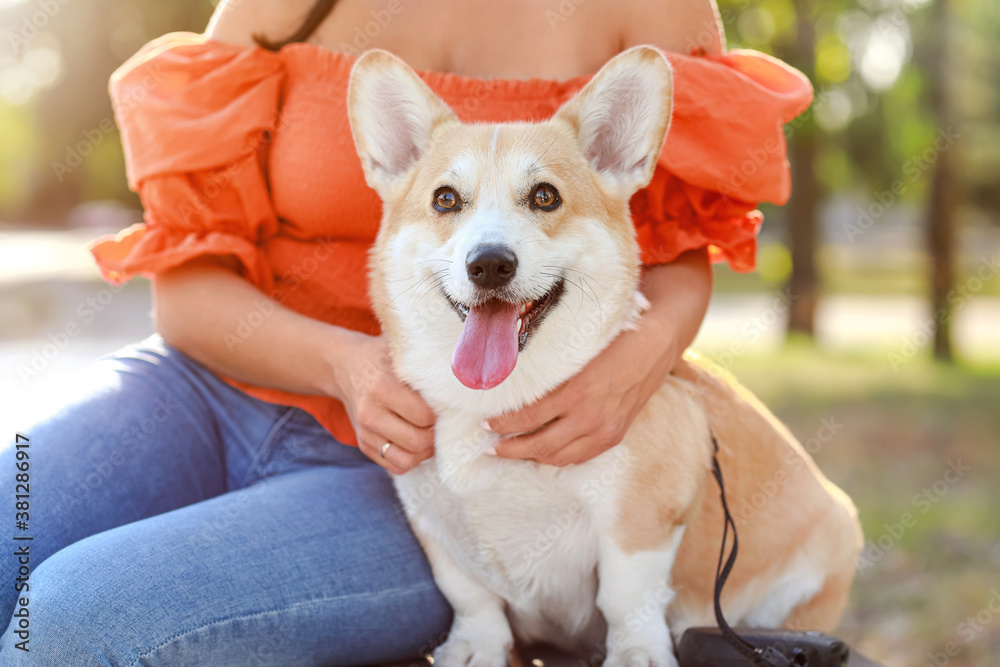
[768, 657]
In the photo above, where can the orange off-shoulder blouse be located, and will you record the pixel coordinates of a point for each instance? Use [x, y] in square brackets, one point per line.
[244, 152]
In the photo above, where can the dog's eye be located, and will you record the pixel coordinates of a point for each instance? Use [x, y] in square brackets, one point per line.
[545, 197]
[446, 199]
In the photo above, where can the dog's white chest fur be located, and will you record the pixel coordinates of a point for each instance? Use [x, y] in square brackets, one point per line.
[527, 532]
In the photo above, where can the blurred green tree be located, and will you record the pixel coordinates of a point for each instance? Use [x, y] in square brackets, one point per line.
[58, 143]
[941, 211]
[898, 83]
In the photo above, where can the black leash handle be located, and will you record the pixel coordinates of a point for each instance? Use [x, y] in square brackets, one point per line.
[765, 658]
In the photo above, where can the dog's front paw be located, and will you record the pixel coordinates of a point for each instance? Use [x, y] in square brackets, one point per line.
[468, 652]
[640, 657]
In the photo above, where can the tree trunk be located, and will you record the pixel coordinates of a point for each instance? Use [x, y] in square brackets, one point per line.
[803, 286]
[940, 239]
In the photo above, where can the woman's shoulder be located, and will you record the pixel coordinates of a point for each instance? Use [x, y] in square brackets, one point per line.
[239, 22]
[682, 26]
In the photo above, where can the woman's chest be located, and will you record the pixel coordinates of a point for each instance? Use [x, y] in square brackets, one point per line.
[516, 39]
[317, 184]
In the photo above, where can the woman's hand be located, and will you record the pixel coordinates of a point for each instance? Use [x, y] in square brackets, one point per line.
[381, 407]
[592, 411]
[199, 302]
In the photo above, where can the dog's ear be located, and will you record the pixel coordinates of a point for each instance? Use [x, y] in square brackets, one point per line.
[392, 114]
[622, 114]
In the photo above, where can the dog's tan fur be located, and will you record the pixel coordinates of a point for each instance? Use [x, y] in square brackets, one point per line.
[807, 513]
[797, 549]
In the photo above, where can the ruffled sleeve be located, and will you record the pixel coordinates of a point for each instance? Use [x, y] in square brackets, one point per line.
[196, 120]
[725, 153]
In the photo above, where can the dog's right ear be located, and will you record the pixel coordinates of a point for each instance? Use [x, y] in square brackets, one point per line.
[621, 116]
[392, 114]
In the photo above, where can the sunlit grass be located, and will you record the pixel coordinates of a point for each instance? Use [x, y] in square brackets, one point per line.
[900, 432]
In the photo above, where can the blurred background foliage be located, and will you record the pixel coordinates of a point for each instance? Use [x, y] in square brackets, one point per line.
[873, 68]
[54, 55]
[897, 164]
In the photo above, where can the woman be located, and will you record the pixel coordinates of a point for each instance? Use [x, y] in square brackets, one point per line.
[193, 500]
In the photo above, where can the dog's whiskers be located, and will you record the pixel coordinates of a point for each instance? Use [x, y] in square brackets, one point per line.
[432, 281]
[590, 291]
[520, 241]
[600, 311]
[415, 286]
[556, 277]
[401, 280]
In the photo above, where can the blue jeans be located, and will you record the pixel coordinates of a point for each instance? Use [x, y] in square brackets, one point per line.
[178, 521]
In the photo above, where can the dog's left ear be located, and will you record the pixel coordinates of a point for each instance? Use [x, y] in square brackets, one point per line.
[622, 114]
[393, 114]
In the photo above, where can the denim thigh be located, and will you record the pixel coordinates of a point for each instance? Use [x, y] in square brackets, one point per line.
[176, 520]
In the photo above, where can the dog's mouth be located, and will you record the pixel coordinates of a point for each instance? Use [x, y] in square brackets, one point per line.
[494, 332]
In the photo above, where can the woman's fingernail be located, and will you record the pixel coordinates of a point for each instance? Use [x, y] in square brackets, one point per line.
[492, 451]
[485, 425]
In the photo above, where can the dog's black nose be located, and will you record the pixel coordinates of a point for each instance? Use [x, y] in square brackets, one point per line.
[491, 266]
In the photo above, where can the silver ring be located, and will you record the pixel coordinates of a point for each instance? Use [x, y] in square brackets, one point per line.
[385, 448]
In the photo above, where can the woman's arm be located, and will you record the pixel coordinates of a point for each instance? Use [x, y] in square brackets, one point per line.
[198, 307]
[592, 411]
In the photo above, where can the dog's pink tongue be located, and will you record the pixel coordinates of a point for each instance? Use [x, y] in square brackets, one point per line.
[487, 349]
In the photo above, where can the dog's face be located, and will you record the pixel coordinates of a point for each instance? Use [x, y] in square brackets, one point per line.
[499, 241]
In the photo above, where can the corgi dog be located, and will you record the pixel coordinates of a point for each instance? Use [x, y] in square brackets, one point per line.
[505, 261]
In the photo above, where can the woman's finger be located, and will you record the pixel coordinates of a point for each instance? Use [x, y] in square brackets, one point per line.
[408, 404]
[396, 460]
[531, 417]
[372, 452]
[543, 444]
[578, 451]
[390, 427]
